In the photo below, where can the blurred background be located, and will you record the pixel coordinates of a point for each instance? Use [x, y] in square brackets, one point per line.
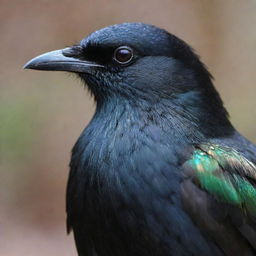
[42, 114]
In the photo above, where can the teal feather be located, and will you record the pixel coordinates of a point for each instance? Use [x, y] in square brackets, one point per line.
[223, 172]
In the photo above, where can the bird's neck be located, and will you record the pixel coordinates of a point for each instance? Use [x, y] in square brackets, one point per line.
[188, 121]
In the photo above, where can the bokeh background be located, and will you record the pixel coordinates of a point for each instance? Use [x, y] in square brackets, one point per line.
[43, 113]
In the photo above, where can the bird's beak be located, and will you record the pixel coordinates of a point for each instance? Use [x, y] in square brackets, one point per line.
[57, 61]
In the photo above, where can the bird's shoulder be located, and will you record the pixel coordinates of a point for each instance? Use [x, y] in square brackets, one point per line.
[219, 193]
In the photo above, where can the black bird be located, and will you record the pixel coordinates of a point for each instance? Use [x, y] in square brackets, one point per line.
[159, 170]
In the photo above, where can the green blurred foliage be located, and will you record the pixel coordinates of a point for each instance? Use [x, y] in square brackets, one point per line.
[16, 132]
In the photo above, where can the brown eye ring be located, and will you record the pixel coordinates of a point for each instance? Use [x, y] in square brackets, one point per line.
[123, 54]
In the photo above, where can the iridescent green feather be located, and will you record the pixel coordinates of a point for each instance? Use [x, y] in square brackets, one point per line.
[223, 172]
[248, 195]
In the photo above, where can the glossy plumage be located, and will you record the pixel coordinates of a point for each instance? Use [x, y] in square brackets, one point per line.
[224, 173]
[159, 170]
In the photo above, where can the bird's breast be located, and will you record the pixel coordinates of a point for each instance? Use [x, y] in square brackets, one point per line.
[124, 186]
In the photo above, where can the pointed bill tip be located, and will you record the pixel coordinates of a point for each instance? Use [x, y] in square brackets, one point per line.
[28, 65]
[47, 61]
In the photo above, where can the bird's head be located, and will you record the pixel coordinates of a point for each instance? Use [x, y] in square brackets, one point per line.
[139, 63]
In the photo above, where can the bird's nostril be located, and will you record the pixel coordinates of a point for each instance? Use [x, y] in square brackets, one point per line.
[74, 51]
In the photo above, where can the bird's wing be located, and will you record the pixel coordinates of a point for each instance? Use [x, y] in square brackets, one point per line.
[219, 193]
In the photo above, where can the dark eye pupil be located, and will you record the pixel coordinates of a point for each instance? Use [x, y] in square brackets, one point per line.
[123, 55]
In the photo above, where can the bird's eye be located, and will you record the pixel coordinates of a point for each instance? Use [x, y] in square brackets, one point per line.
[123, 55]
